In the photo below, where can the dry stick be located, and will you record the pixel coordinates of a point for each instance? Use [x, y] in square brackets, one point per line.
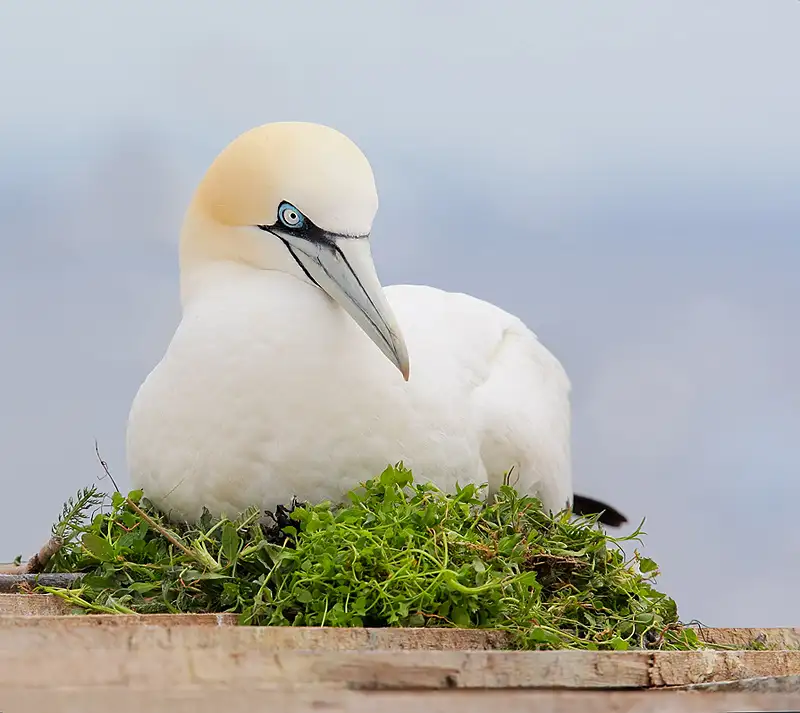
[38, 562]
[203, 562]
[24, 583]
[149, 520]
[166, 533]
[105, 465]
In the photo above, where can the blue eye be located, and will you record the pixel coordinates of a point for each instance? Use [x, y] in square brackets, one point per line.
[290, 216]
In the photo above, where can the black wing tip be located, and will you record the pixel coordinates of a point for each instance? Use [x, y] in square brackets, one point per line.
[583, 505]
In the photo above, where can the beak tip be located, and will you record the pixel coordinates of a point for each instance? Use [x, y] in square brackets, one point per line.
[402, 366]
[405, 363]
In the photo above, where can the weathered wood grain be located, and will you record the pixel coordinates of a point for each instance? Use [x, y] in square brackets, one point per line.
[32, 605]
[175, 700]
[47, 605]
[266, 658]
[209, 650]
[761, 684]
[36, 605]
[681, 668]
[772, 638]
[58, 651]
[281, 638]
[62, 617]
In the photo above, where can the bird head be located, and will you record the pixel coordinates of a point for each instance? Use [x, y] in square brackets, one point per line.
[300, 198]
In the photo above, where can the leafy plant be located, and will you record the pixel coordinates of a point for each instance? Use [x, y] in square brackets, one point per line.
[397, 554]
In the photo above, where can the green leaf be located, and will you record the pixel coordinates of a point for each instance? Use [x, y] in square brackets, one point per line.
[144, 587]
[388, 477]
[544, 636]
[98, 547]
[303, 596]
[231, 542]
[416, 620]
[461, 618]
[646, 565]
[98, 582]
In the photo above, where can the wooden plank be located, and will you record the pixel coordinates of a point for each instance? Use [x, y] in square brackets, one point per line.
[271, 659]
[292, 670]
[284, 638]
[34, 605]
[772, 638]
[176, 700]
[20, 605]
[682, 668]
[108, 651]
[48, 605]
[352, 658]
[186, 632]
[67, 620]
[762, 684]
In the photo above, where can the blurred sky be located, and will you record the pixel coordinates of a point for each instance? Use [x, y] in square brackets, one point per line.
[623, 175]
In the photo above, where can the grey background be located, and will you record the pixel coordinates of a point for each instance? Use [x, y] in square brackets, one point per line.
[623, 175]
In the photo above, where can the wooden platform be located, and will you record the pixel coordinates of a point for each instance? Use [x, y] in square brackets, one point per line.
[204, 661]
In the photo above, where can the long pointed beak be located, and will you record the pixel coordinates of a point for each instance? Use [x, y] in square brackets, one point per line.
[342, 266]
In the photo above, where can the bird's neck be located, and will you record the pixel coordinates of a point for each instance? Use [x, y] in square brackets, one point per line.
[211, 255]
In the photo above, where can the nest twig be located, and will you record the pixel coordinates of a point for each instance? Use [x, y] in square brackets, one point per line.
[14, 583]
[38, 562]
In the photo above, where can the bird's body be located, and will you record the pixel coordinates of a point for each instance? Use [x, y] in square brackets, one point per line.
[273, 387]
[241, 411]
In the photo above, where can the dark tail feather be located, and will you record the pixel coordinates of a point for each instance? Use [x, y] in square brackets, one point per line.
[581, 505]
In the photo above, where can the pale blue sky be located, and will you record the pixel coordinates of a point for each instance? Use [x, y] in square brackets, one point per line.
[623, 175]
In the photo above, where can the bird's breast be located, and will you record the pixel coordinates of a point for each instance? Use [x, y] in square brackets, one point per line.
[264, 394]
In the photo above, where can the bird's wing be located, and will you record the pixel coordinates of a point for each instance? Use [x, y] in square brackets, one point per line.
[516, 390]
[524, 404]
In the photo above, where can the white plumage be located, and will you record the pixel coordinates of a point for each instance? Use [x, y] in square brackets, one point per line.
[273, 387]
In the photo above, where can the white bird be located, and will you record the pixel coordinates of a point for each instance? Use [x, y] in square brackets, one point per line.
[272, 386]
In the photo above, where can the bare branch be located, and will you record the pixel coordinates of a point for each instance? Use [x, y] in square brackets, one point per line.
[105, 466]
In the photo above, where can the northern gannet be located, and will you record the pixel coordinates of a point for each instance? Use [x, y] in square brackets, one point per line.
[272, 386]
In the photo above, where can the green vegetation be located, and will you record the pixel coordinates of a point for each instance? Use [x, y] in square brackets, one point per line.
[398, 554]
